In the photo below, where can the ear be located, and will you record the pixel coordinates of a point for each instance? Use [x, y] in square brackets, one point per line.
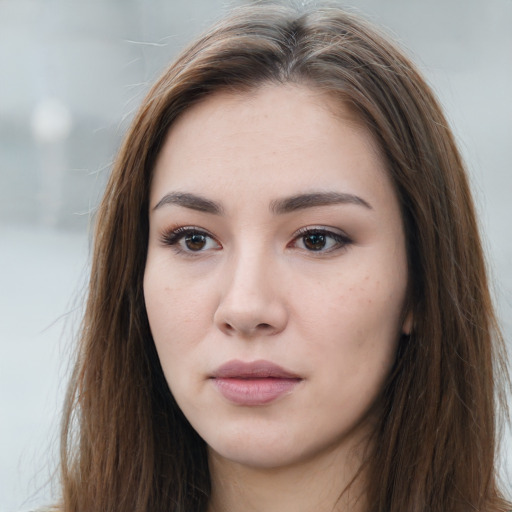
[408, 323]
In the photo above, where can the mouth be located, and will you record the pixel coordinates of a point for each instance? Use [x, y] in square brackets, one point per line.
[253, 383]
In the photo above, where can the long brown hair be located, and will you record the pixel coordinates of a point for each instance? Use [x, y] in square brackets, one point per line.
[125, 443]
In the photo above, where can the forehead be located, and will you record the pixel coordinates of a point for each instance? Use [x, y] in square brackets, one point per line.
[277, 140]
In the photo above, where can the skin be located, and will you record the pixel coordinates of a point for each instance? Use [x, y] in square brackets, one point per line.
[251, 288]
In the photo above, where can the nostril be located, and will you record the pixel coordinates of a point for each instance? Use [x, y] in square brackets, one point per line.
[229, 327]
[264, 327]
[261, 328]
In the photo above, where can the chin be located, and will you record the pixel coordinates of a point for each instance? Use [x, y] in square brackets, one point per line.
[256, 448]
[256, 456]
[267, 447]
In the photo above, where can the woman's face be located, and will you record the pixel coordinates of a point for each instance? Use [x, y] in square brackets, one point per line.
[276, 274]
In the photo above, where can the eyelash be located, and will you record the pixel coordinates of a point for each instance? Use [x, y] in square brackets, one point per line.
[174, 237]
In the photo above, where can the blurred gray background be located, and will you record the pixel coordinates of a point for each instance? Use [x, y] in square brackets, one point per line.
[71, 75]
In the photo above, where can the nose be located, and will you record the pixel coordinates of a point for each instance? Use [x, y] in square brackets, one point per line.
[252, 302]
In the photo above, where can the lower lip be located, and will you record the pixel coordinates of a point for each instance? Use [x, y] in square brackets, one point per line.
[254, 391]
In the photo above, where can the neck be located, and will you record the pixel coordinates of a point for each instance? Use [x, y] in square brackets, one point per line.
[331, 484]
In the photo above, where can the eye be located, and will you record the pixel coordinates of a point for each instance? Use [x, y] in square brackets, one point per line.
[319, 240]
[190, 240]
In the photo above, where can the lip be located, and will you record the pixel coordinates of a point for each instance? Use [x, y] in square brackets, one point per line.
[253, 383]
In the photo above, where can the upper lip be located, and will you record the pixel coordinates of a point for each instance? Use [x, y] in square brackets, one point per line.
[254, 369]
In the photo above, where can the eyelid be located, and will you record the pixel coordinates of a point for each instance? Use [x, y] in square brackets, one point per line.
[321, 229]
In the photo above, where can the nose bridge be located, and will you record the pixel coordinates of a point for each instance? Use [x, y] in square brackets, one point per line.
[249, 268]
[250, 301]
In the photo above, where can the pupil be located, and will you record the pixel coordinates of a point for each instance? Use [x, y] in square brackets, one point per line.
[195, 242]
[314, 241]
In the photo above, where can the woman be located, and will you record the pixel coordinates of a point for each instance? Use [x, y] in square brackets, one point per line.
[288, 306]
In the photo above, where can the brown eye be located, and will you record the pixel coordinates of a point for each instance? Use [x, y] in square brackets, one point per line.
[320, 240]
[195, 241]
[314, 241]
[190, 239]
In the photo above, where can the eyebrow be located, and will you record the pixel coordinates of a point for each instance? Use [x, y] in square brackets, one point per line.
[277, 207]
[192, 201]
[302, 201]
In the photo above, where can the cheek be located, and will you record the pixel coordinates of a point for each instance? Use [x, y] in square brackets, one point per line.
[354, 343]
[176, 316]
[178, 312]
[353, 320]
[356, 299]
